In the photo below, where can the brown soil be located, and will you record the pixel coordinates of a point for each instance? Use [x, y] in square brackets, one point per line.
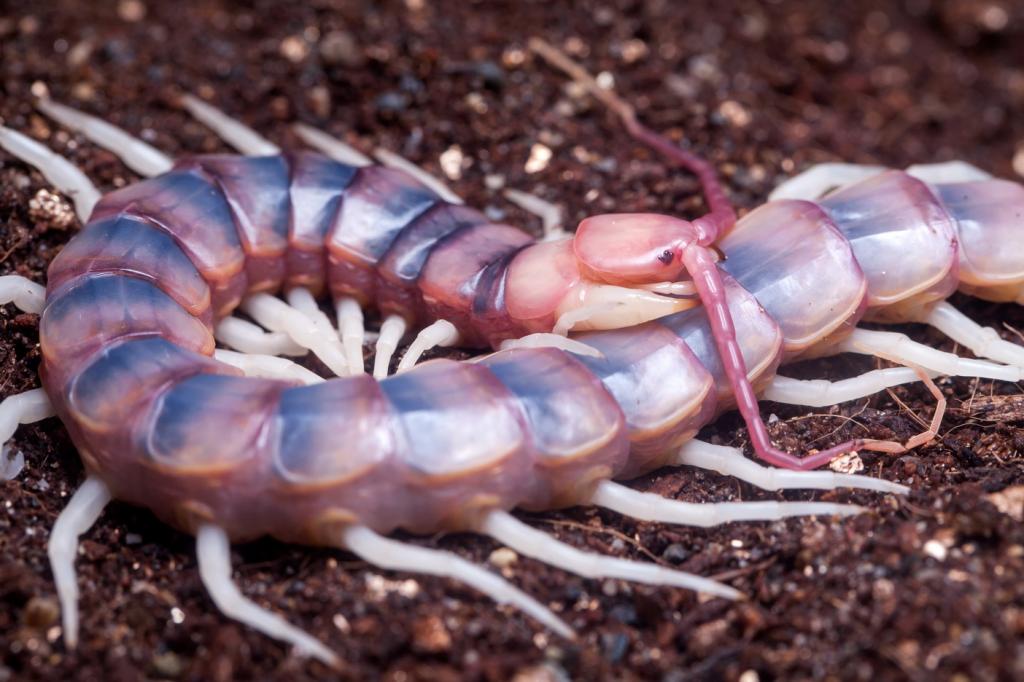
[922, 587]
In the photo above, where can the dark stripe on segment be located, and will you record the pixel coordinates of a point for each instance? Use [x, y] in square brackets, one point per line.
[257, 190]
[210, 424]
[132, 245]
[489, 302]
[661, 387]
[191, 207]
[121, 378]
[317, 186]
[333, 432]
[457, 271]
[575, 425]
[96, 309]
[407, 255]
[401, 265]
[378, 204]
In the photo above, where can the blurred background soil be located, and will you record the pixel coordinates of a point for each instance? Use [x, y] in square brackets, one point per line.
[923, 587]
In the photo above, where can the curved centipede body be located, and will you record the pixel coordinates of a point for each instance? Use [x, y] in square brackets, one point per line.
[133, 301]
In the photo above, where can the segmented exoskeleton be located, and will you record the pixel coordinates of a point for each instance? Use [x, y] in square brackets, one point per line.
[134, 301]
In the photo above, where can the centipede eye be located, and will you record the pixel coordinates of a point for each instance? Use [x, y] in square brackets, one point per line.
[666, 256]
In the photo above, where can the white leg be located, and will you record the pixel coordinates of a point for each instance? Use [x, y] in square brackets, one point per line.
[983, 341]
[651, 507]
[397, 556]
[948, 172]
[82, 511]
[393, 160]
[235, 133]
[817, 180]
[140, 157]
[247, 337]
[276, 315]
[900, 349]
[352, 332]
[331, 146]
[56, 169]
[23, 408]
[213, 552]
[821, 393]
[441, 333]
[25, 294]
[302, 299]
[731, 462]
[538, 545]
[549, 340]
[391, 332]
[550, 214]
[267, 366]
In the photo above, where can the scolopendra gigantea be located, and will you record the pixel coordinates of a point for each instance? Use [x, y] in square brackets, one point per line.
[812, 221]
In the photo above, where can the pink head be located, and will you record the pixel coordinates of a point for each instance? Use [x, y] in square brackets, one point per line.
[617, 271]
[633, 248]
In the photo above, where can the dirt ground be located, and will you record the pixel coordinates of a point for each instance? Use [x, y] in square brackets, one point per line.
[922, 587]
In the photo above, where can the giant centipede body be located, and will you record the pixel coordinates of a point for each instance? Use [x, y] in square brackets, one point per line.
[132, 302]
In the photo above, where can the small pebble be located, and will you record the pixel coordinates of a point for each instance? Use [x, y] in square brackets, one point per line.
[540, 156]
[615, 646]
[935, 550]
[12, 463]
[339, 47]
[294, 49]
[41, 612]
[850, 463]
[131, 11]
[429, 635]
[675, 553]
[1018, 161]
[391, 102]
[168, 665]
[51, 210]
[546, 672]
[451, 162]
[320, 101]
[503, 557]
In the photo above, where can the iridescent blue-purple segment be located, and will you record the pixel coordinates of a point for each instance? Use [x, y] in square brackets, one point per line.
[576, 428]
[121, 377]
[378, 204]
[261, 217]
[130, 245]
[126, 340]
[462, 280]
[903, 238]
[96, 310]
[662, 389]
[402, 264]
[190, 206]
[317, 187]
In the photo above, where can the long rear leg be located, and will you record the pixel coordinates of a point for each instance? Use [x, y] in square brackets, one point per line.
[213, 553]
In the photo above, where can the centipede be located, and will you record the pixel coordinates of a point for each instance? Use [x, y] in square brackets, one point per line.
[610, 347]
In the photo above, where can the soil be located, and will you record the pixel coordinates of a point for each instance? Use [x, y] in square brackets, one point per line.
[921, 587]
